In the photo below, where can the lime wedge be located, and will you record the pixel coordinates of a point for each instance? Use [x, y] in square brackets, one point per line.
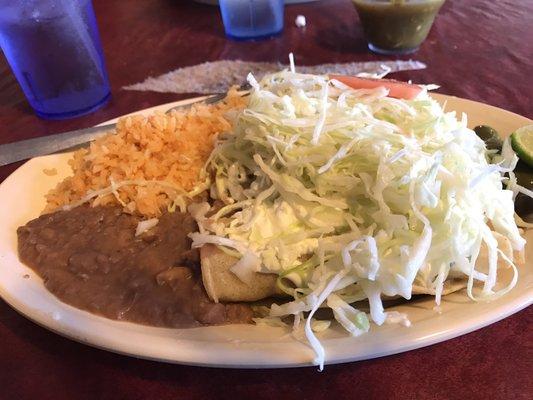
[522, 142]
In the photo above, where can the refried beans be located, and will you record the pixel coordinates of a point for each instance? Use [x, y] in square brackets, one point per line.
[90, 258]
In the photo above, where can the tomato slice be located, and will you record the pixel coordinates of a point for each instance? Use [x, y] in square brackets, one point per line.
[397, 89]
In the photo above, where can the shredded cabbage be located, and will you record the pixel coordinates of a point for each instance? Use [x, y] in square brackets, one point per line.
[145, 225]
[350, 194]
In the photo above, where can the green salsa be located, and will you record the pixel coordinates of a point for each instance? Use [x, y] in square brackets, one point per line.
[396, 26]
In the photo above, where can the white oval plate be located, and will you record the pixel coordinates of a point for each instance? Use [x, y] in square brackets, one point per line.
[22, 198]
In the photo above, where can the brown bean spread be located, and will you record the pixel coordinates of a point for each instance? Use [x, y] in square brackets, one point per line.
[91, 259]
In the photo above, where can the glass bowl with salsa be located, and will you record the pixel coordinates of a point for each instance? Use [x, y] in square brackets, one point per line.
[396, 26]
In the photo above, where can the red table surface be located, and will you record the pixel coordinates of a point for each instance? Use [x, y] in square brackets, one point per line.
[477, 49]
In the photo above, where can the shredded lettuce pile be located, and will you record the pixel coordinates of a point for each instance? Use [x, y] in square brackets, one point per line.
[351, 195]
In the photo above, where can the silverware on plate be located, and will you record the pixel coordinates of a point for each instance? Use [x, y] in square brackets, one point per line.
[24, 149]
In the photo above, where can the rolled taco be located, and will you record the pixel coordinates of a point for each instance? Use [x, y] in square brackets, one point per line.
[221, 284]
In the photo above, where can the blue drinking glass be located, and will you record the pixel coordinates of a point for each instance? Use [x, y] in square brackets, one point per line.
[252, 19]
[54, 50]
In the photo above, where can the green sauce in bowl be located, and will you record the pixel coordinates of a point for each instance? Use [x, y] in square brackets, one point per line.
[396, 26]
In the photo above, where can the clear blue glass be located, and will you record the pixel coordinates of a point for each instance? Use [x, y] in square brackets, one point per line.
[54, 50]
[252, 19]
